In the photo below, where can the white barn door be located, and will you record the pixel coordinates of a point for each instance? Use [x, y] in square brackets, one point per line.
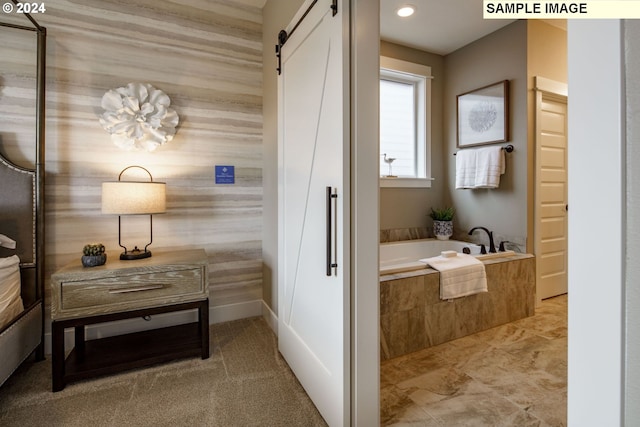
[313, 200]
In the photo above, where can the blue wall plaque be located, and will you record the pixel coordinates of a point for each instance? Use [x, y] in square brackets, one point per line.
[225, 175]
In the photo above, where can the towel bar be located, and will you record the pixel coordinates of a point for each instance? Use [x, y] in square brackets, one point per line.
[508, 148]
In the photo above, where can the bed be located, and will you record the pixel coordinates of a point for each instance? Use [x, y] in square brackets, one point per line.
[22, 234]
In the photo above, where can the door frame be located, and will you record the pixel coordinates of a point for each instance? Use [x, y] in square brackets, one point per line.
[598, 375]
[365, 213]
[544, 89]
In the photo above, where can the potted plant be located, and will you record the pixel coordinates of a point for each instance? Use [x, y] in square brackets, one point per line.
[93, 255]
[442, 222]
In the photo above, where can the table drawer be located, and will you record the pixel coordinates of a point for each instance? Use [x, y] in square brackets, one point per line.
[132, 291]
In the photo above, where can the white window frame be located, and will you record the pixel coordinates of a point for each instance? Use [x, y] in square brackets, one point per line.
[420, 75]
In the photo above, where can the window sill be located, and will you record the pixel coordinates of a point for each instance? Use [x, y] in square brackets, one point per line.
[405, 182]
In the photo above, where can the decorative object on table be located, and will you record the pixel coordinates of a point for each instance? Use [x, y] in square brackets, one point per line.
[93, 255]
[442, 222]
[134, 198]
[483, 115]
[389, 161]
[138, 117]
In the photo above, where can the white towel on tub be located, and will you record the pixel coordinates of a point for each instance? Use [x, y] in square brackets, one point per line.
[460, 275]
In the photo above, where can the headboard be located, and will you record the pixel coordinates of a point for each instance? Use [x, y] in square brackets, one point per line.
[18, 221]
[22, 214]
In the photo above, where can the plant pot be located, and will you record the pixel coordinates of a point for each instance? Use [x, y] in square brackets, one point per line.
[93, 260]
[442, 229]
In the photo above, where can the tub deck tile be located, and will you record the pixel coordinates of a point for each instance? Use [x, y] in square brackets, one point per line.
[413, 317]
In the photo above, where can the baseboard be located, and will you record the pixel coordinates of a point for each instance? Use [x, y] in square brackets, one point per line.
[270, 317]
[217, 314]
[229, 312]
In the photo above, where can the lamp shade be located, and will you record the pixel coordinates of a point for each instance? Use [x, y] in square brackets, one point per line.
[133, 198]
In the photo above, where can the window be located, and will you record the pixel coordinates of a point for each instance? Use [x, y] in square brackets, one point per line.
[405, 90]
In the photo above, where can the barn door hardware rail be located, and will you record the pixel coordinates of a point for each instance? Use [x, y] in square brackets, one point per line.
[283, 36]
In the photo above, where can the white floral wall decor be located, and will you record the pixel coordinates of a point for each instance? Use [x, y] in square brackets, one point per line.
[138, 117]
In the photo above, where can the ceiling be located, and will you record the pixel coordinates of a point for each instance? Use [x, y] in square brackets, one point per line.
[437, 26]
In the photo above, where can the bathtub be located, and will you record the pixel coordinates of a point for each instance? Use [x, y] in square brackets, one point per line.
[412, 315]
[403, 256]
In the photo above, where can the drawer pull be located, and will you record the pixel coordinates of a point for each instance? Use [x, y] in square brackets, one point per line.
[138, 289]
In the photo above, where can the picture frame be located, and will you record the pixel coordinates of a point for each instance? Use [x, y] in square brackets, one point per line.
[482, 115]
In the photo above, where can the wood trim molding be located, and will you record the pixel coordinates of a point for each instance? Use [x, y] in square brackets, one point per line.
[551, 86]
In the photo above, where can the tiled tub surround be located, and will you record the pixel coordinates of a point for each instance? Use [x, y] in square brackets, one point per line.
[515, 243]
[412, 316]
[401, 234]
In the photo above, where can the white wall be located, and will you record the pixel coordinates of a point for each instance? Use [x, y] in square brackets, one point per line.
[632, 291]
[596, 221]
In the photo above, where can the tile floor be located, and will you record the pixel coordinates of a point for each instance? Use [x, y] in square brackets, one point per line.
[511, 375]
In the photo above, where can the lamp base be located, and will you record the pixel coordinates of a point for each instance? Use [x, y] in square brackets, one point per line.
[134, 254]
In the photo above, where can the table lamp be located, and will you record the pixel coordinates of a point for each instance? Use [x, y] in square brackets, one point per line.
[134, 198]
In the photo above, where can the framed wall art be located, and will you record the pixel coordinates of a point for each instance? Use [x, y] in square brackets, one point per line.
[483, 115]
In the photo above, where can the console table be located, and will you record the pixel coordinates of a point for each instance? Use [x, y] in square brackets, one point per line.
[166, 282]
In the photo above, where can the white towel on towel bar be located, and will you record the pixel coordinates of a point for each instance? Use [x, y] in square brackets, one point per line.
[466, 168]
[460, 275]
[480, 167]
[490, 165]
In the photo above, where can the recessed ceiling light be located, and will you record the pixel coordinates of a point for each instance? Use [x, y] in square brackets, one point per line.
[405, 11]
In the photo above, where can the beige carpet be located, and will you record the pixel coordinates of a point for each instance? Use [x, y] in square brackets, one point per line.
[245, 382]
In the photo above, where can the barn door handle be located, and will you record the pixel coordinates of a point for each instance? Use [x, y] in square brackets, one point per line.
[330, 244]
